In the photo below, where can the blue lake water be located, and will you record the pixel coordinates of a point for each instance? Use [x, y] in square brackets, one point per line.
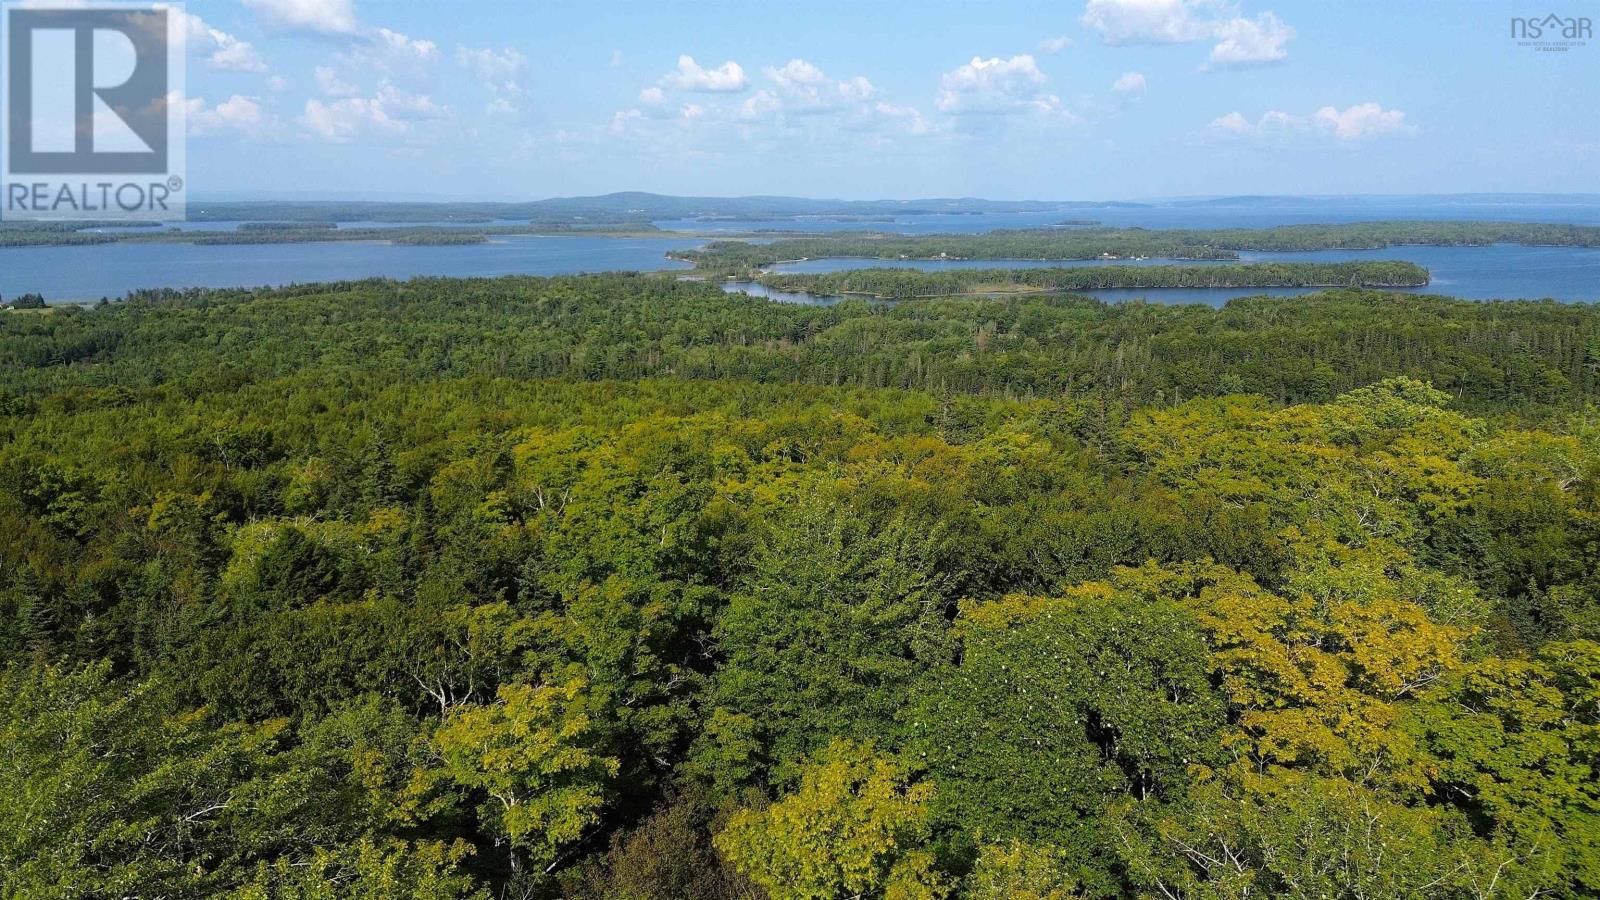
[112, 270]
[1508, 271]
[1500, 271]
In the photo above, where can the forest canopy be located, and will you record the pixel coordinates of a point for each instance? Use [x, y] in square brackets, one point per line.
[897, 283]
[626, 587]
[736, 257]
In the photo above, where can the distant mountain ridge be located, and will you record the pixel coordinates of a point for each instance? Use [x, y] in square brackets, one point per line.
[1375, 200]
[624, 207]
[641, 208]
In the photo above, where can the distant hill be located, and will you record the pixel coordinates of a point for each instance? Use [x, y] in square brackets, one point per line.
[610, 209]
[1290, 201]
[641, 208]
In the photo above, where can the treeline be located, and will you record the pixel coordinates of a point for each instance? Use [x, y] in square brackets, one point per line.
[287, 226]
[48, 234]
[741, 257]
[294, 234]
[1376, 235]
[24, 301]
[1523, 358]
[906, 283]
[298, 233]
[735, 257]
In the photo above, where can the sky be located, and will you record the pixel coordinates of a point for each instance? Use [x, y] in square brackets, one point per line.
[1004, 99]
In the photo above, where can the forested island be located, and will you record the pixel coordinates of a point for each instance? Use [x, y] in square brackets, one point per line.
[294, 234]
[625, 587]
[909, 283]
[743, 258]
[30, 235]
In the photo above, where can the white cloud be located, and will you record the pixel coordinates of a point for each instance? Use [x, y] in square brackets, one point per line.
[1147, 21]
[662, 111]
[1273, 120]
[1240, 41]
[1243, 42]
[243, 113]
[331, 84]
[907, 117]
[1364, 120]
[385, 53]
[619, 122]
[388, 114]
[726, 78]
[277, 84]
[399, 104]
[500, 71]
[796, 100]
[1232, 123]
[399, 47]
[392, 53]
[237, 114]
[223, 51]
[342, 121]
[1129, 83]
[804, 88]
[1055, 44]
[655, 104]
[318, 16]
[857, 89]
[997, 86]
[234, 55]
[759, 105]
[1017, 75]
[493, 66]
[796, 73]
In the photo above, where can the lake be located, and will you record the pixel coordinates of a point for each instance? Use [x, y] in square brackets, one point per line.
[87, 273]
[1506, 271]
[1500, 271]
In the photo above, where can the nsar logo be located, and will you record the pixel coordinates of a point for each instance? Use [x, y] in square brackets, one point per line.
[1552, 32]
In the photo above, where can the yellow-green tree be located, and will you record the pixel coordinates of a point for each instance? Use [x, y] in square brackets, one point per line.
[856, 827]
[531, 757]
[1515, 744]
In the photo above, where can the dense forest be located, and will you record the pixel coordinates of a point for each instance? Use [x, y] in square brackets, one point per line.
[626, 587]
[740, 257]
[897, 283]
[1507, 358]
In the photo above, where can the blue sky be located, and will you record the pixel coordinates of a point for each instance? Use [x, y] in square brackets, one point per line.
[1090, 99]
